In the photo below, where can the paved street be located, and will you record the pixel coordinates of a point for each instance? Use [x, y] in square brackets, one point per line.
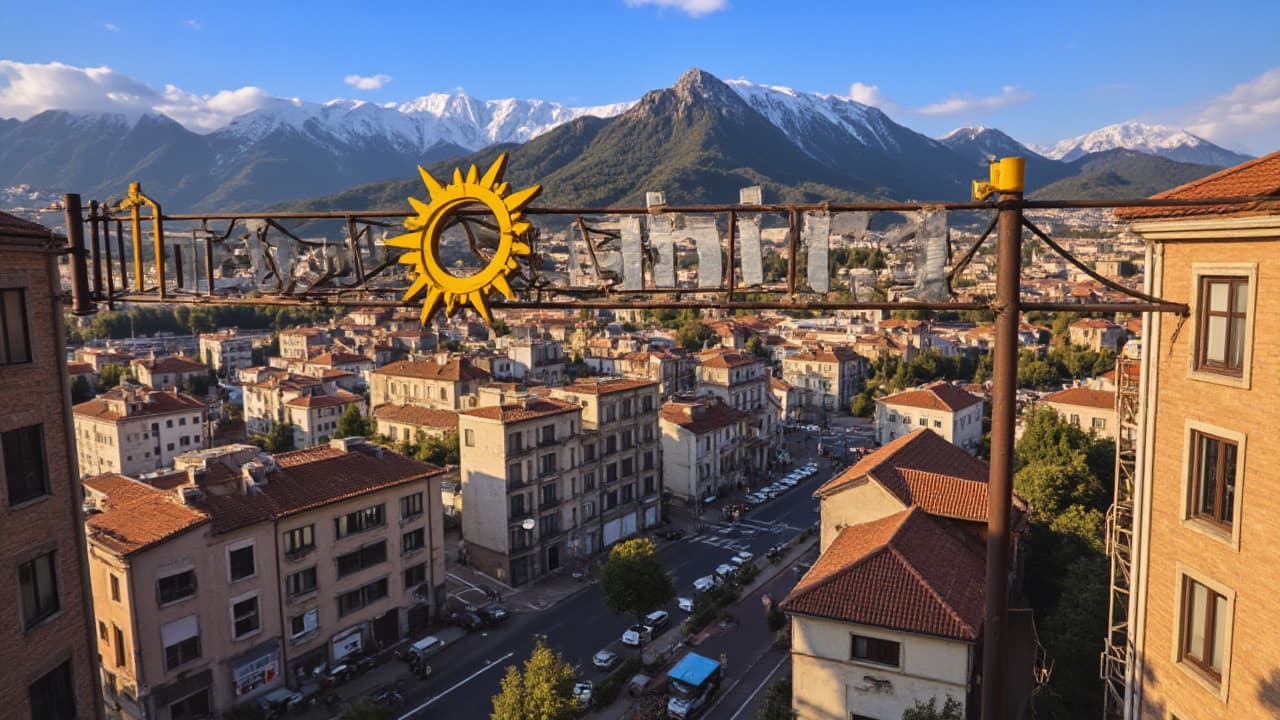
[467, 674]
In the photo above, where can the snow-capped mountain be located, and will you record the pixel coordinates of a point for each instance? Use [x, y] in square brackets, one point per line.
[1159, 140]
[984, 143]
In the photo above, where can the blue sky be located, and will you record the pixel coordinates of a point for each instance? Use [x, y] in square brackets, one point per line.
[1054, 70]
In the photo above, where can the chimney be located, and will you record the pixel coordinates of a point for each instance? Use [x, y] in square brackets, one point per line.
[252, 474]
[191, 495]
[345, 444]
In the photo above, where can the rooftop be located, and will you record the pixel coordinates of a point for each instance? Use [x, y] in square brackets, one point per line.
[940, 395]
[602, 386]
[527, 409]
[454, 369]
[1259, 178]
[1086, 397]
[110, 405]
[722, 358]
[701, 416]
[136, 515]
[415, 415]
[14, 226]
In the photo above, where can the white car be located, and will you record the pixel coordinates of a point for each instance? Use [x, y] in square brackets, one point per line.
[725, 570]
[605, 659]
[704, 583]
[745, 555]
[656, 619]
[685, 604]
[582, 691]
[637, 635]
[737, 561]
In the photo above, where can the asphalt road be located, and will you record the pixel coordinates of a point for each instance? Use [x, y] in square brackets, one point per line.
[467, 674]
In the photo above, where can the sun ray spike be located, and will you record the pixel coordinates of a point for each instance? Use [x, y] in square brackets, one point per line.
[473, 175]
[481, 304]
[433, 186]
[517, 200]
[418, 284]
[501, 285]
[407, 240]
[418, 206]
[457, 176]
[502, 188]
[411, 258]
[431, 305]
[519, 248]
[493, 175]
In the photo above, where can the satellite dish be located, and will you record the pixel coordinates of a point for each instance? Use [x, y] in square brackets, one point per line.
[527, 524]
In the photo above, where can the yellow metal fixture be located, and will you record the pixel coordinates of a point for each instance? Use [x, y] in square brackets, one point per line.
[1007, 175]
[423, 241]
[132, 202]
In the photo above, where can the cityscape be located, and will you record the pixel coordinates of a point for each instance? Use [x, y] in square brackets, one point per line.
[725, 401]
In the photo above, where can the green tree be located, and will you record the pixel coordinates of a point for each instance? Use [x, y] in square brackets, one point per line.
[543, 690]
[692, 334]
[439, 450]
[950, 710]
[279, 439]
[352, 423]
[80, 390]
[776, 704]
[109, 376]
[864, 404]
[756, 347]
[633, 580]
[501, 328]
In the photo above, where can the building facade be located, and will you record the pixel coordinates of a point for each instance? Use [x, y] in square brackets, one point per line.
[135, 430]
[702, 448]
[953, 413]
[444, 382]
[163, 373]
[825, 377]
[48, 654]
[1088, 409]
[226, 351]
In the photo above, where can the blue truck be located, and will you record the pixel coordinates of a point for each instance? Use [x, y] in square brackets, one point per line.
[691, 685]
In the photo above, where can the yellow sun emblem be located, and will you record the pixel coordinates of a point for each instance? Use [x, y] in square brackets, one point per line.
[423, 240]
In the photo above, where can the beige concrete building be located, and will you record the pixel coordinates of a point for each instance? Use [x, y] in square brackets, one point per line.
[209, 584]
[1203, 614]
[134, 430]
[403, 423]
[741, 381]
[1097, 334]
[226, 351]
[310, 405]
[825, 377]
[444, 382]
[539, 361]
[48, 654]
[1090, 410]
[953, 413]
[702, 448]
[163, 373]
[303, 343]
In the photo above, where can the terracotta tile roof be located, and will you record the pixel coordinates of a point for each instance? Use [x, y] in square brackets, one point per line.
[939, 395]
[415, 415]
[1258, 178]
[528, 410]
[604, 387]
[457, 369]
[172, 364]
[14, 226]
[79, 368]
[311, 478]
[725, 359]
[157, 403]
[305, 331]
[341, 397]
[713, 415]
[1086, 397]
[908, 571]
[835, 354]
[1098, 323]
[338, 358]
[779, 384]
[136, 515]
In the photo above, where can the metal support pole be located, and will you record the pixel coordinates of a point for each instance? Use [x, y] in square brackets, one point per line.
[95, 248]
[81, 301]
[208, 264]
[1008, 309]
[106, 255]
[177, 265]
[124, 263]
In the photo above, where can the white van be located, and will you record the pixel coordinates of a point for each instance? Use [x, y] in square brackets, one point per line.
[425, 648]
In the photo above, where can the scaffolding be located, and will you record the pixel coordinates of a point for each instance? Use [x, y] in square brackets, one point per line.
[1115, 653]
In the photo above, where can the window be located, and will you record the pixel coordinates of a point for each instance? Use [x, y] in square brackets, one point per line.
[115, 588]
[415, 576]
[1204, 627]
[469, 437]
[102, 633]
[53, 697]
[411, 505]
[359, 521]
[628, 492]
[588, 510]
[15, 341]
[241, 564]
[924, 421]
[305, 623]
[937, 423]
[176, 587]
[517, 505]
[24, 465]
[301, 582]
[588, 481]
[876, 650]
[364, 557]
[244, 616]
[515, 443]
[181, 640]
[1213, 478]
[1222, 325]
[548, 525]
[121, 655]
[350, 602]
[626, 407]
[548, 464]
[39, 581]
[548, 434]
[415, 540]
[1099, 424]
[191, 707]
[300, 540]
[611, 472]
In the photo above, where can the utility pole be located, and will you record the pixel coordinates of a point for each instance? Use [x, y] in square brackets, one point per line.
[1007, 179]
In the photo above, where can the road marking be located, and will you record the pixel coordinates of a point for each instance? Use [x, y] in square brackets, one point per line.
[752, 696]
[460, 683]
[463, 581]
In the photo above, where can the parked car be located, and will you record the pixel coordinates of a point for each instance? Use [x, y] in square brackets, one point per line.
[465, 619]
[671, 534]
[637, 635]
[745, 555]
[493, 614]
[424, 648]
[656, 619]
[725, 571]
[582, 691]
[737, 561]
[685, 604]
[704, 583]
[605, 659]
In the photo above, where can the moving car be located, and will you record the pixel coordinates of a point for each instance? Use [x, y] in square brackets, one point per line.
[493, 614]
[656, 619]
[605, 659]
[637, 635]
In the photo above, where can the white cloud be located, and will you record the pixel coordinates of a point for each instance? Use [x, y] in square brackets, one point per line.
[870, 95]
[29, 88]
[692, 8]
[962, 104]
[1250, 110]
[192, 24]
[367, 82]
[111, 26]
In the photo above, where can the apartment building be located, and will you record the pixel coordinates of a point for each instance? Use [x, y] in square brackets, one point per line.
[172, 371]
[134, 430]
[1203, 613]
[702, 448]
[741, 381]
[48, 654]
[303, 343]
[826, 378]
[1088, 409]
[210, 586]
[1097, 334]
[405, 423]
[226, 351]
[539, 361]
[443, 382]
[674, 369]
[310, 405]
[953, 413]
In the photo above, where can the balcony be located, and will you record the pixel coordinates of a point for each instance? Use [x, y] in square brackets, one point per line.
[546, 473]
[517, 483]
[521, 449]
[549, 503]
